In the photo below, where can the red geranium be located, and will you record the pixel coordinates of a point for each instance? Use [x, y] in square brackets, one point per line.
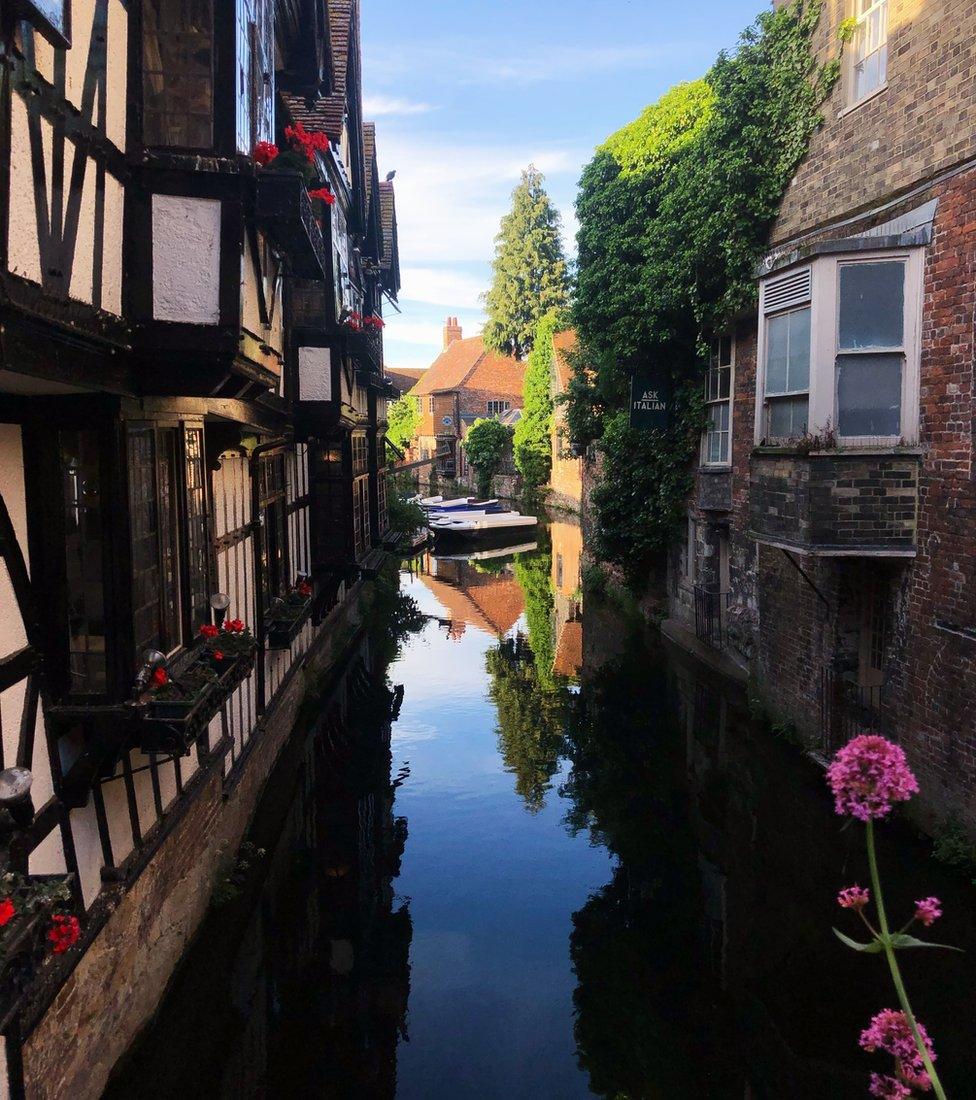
[324, 194]
[64, 933]
[307, 142]
[7, 911]
[265, 152]
[159, 678]
[234, 626]
[209, 631]
[303, 589]
[218, 655]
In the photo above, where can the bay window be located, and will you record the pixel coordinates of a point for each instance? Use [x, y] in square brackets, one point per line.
[177, 73]
[716, 444]
[839, 350]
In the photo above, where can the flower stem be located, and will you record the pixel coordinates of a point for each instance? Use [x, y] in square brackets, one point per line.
[896, 977]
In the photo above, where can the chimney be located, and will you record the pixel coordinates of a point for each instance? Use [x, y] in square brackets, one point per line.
[452, 332]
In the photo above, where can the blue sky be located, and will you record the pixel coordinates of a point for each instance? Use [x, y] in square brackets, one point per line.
[466, 94]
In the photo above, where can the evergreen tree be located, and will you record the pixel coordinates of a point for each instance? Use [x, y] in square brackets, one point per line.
[531, 277]
[533, 433]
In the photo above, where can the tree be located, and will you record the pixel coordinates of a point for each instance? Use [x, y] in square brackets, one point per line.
[485, 447]
[403, 417]
[530, 274]
[533, 433]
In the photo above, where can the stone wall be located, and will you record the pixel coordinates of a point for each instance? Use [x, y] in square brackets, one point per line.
[119, 981]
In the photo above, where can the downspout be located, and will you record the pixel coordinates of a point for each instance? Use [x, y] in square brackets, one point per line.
[257, 531]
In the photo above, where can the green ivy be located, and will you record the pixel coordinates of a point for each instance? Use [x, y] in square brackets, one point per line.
[675, 211]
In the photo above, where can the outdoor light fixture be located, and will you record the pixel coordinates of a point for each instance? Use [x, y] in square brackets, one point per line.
[151, 660]
[15, 794]
[219, 601]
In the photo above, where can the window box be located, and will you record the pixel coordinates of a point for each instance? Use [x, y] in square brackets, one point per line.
[285, 211]
[367, 347]
[835, 503]
[286, 621]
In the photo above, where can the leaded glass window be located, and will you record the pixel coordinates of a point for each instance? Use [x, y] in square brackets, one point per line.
[177, 73]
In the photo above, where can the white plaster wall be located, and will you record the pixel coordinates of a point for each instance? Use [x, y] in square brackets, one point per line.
[118, 36]
[270, 334]
[82, 273]
[88, 851]
[24, 257]
[186, 259]
[314, 374]
[112, 246]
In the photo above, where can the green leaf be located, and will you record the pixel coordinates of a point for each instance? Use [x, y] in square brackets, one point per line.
[875, 947]
[899, 939]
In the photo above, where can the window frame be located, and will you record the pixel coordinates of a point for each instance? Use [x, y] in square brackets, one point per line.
[825, 341]
[505, 407]
[718, 401]
[853, 99]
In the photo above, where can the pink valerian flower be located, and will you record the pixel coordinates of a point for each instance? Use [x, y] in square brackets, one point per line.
[885, 1087]
[890, 1031]
[853, 897]
[868, 775]
[928, 911]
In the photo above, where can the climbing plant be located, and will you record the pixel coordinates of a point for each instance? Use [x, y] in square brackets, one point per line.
[675, 210]
[533, 433]
[485, 445]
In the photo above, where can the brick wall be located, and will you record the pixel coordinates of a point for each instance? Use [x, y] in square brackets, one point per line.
[923, 122]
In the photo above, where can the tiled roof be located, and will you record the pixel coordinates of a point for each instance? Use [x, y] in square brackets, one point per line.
[369, 155]
[404, 378]
[329, 112]
[391, 247]
[564, 344]
[467, 360]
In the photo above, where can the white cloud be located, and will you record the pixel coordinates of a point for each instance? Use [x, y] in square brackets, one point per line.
[461, 62]
[381, 106]
[441, 287]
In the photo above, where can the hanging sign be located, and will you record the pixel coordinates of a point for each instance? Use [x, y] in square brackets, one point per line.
[651, 398]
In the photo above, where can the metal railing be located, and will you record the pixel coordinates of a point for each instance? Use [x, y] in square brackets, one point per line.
[848, 709]
[711, 609]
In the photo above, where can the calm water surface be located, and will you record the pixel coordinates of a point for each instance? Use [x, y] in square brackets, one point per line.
[571, 866]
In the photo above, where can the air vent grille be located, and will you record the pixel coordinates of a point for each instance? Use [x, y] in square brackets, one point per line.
[786, 291]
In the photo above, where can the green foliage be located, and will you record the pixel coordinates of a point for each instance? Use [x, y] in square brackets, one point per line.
[405, 516]
[647, 476]
[533, 572]
[403, 417]
[530, 273]
[675, 210]
[533, 433]
[953, 845]
[485, 446]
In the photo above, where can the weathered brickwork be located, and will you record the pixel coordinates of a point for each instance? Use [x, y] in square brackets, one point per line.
[835, 501]
[921, 124]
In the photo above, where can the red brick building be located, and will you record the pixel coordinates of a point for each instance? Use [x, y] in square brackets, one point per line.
[465, 382]
[829, 545]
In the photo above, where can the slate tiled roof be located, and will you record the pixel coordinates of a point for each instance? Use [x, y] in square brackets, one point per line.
[563, 344]
[391, 247]
[467, 361]
[329, 112]
[404, 378]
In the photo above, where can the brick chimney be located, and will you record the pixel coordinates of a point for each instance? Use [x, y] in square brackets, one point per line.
[452, 332]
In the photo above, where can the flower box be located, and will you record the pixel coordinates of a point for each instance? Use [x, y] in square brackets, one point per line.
[287, 621]
[173, 725]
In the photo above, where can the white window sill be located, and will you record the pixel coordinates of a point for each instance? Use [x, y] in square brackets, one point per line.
[864, 99]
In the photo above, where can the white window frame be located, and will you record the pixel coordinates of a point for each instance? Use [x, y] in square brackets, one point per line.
[430, 404]
[824, 347]
[505, 406]
[710, 403]
[793, 305]
[862, 19]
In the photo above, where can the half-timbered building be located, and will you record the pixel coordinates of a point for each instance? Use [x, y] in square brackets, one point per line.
[192, 482]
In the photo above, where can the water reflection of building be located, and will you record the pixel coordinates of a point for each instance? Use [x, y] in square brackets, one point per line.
[567, 552]
[484, 595]
[299, 984]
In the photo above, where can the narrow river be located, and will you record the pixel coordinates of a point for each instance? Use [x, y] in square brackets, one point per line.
[567, 863]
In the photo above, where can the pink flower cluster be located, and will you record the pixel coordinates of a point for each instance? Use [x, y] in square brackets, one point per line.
[853, 897]
[928, 911]
[885, 1087]
[868, 775]
[890, 1031]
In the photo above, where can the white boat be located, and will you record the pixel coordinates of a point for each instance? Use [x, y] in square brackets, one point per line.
[428, 502]
[484, 555]
[489, 523]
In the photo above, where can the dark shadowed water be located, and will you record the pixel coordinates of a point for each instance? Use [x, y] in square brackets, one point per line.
[571, 866]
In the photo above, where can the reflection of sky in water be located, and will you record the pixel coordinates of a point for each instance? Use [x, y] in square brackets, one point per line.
[492, 888]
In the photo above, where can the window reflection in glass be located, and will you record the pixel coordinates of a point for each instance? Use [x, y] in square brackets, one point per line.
[872, 305]
[177, 80]
[82, 488]
[869, 395]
